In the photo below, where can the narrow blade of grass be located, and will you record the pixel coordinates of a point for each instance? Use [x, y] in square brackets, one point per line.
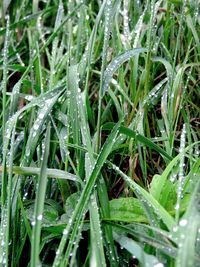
[39, 204]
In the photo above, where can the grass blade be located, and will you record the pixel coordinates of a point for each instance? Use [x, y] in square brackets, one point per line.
[39, 204]
[116, 63]
[84, 199]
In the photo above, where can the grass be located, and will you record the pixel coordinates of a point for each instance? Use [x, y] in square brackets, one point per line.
[99, 133]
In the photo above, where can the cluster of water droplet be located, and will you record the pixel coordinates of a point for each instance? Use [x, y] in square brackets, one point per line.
[153, 25]
[107, 29]
[5, 54]
[138, 29]
[126, 36]
[45, 107]
[155, 92]
[114, 65]
[181, 169]
[3, 227]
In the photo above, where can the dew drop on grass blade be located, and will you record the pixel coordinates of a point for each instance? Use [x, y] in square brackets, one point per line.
[81, 207]
[181, 177]
[188, 244]
[39, 204]
[136, 250]
[116, 63]
[145, 197]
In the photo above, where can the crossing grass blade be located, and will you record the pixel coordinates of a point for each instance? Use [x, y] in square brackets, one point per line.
[133, 134]
[136, 251]
[82, 66]
[145, 197]
[79, 121]
[116, 63]
[97, 251]
[81, 207]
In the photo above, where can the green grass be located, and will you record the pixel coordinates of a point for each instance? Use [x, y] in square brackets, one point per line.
[99, 128]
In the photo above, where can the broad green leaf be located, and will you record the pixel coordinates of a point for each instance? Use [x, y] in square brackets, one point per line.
[147, 199]
[127, 210]
[69, 207]
[166, 172]
[49, 215]
[168, 199]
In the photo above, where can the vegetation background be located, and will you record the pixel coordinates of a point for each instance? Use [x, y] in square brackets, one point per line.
[99, 117]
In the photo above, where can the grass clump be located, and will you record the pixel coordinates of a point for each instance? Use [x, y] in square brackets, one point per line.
[99, 133]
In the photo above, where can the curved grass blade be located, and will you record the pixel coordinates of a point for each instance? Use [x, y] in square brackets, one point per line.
[35, 131]
[25, 19]
[14, 98]
[168, 66]
[191, 26]
[51, 173]
[144, 140]
[116, 63]
[36, 101]
[178, 80]
[155, 92]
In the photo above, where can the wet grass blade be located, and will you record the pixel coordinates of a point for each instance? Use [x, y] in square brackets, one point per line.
[145, 197]
[136, 251]
[189, 243]
[96, 238]
[39, 204]
[116, 63]
[81, 207]
[51, 173]
[144, 140]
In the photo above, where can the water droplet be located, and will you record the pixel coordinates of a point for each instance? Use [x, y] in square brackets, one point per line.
[65, 232]
[175, 229]
[39, 217]
[177, 207]
[183, 222]
[159, 264]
